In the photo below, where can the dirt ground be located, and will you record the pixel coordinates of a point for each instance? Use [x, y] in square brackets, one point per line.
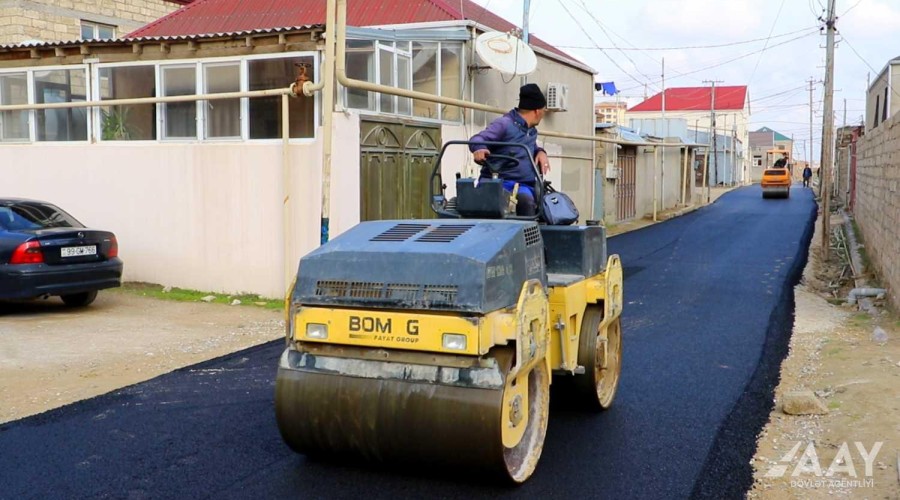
[51, 355]
[833, 353]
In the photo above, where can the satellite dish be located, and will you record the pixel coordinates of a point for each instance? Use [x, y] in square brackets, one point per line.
[506, 53]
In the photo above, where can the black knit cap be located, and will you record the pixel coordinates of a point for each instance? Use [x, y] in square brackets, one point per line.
[531, 97]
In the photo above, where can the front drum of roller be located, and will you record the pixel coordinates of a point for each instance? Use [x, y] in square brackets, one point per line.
[393, 420]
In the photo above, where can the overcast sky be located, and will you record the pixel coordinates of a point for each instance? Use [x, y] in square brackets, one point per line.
[777, 76]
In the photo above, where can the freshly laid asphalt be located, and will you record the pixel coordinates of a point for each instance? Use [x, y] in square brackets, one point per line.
[708, 314]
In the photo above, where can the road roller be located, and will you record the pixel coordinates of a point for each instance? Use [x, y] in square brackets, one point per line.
[435, 341]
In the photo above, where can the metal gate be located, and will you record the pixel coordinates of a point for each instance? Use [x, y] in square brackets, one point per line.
[625, 187]
[396, 160]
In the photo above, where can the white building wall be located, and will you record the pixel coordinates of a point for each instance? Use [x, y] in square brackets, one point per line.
[199, 216]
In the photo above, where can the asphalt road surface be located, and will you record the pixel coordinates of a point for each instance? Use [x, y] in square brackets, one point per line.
[709, 307]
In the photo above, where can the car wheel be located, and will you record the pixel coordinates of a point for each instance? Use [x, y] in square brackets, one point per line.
[79, 299]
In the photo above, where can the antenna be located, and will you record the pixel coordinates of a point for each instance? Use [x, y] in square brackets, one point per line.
[506, 53]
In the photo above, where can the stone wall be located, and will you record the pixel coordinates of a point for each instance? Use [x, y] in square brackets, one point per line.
[60, 20]
[877, 208]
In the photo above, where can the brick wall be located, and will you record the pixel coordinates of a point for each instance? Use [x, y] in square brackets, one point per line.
[60, 20]
[877, 208]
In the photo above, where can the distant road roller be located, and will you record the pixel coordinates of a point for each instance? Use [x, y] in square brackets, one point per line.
[435, 341]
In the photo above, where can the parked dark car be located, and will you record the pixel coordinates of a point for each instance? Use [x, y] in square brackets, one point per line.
[44, 251]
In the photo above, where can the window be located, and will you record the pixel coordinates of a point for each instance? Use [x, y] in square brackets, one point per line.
[96, 31]
[238, 118]
[386, 77]
[13, 90]
[179, 118]
[265, 112]
[431, 67]
[424, 60]
[223, 116]
[360, 66]
[451, 79]
[884, 109]
[61, 85]
[877, 110]
[135, 122]
[34, 215]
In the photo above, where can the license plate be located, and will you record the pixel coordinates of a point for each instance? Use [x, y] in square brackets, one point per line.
[79, 251]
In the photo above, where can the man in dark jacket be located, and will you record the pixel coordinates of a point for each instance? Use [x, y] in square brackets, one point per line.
[517, 126]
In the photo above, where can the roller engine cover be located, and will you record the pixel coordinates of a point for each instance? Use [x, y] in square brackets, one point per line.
[471, 266]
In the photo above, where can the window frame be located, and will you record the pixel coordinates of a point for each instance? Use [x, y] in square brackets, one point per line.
[27, 113]
[391, 46]
[199, 63]
[95, 27]
[32, 113]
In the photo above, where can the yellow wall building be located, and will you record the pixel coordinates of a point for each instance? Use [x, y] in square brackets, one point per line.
[65, 20]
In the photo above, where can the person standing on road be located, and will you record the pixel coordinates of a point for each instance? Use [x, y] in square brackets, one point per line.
[807, 174]
[517, 126]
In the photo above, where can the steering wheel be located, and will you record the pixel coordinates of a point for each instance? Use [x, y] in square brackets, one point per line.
[495, 162]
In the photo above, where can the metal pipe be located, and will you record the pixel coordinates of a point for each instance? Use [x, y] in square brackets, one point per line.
[705, 185]
[684, 173]
[343, 79]
[864, 292]
[286, 189]
[149, 100]
[571, 157]
[655, 177]
[328, 99]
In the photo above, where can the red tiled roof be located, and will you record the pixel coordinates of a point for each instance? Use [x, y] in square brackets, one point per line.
[226, 16]
[696, 99]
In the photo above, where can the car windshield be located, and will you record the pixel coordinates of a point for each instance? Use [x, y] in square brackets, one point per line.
[779, 171]
[31, 216]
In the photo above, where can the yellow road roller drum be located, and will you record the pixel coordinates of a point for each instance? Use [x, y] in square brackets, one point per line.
[436, 341]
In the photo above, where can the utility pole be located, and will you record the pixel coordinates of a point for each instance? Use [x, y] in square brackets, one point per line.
[525, 35]
[828, 132]
[665, 133]
[838, 178]
[712, 136]
[811, 87]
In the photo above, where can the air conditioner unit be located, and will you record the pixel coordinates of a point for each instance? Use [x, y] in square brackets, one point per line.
[557, 96]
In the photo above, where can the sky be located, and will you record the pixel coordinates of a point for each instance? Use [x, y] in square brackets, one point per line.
[772, 46]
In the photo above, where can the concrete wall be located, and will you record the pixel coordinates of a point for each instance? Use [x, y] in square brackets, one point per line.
[200, 216]
[648, 164]
[877, 208]
[60, 20]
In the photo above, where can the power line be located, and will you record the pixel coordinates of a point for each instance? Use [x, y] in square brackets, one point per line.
[583, 30]
[851, 8]
[690, 47]
[774, 23]
[603, 29]
[734, 58]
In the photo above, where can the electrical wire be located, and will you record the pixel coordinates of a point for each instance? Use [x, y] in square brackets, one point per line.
[851, 8]
[605, 32]
[583, 30]
[690, 47]
[722, 63]
[772, 30]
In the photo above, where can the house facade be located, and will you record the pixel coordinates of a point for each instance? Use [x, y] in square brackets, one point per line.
[883, 96]
[218, 194]
[640, 175]
[610, 112]
[766, 147]
[695, 105]
[38, 21]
